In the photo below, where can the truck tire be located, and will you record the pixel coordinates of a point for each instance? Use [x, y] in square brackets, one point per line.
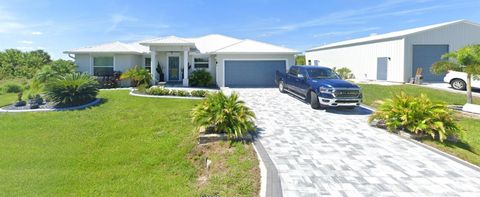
[458, 84]
[314, 103]
[281, 86]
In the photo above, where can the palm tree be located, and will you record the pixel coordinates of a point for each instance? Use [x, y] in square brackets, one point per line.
[466, 59]
[225, 114]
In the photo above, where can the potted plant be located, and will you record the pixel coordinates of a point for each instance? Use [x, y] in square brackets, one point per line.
[160, 73]
[20, 102]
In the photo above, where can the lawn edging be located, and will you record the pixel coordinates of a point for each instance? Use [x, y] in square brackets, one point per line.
[95, 102]
[431, 148]
[158, 96]
[270, 181]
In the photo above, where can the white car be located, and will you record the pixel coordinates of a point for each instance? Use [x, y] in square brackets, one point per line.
[458, 80]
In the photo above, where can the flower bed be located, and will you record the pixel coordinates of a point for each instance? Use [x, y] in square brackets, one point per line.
[46, 106]
[161, 91]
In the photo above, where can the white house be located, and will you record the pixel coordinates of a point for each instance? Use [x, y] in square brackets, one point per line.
[232, 62]
[396, 56]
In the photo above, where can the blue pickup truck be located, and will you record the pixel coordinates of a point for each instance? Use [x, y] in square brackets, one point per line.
[319, 86]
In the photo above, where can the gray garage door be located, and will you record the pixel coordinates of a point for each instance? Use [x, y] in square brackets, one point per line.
[252, 73]
[424, 56]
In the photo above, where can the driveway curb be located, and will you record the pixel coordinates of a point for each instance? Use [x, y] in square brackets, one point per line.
[272, 187]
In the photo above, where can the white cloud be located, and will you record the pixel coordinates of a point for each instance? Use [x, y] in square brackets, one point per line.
[26, 42]
[117, 19]
[30, 48]
[37, 33]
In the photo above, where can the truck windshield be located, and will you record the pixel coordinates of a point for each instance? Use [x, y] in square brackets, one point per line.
[322, 73]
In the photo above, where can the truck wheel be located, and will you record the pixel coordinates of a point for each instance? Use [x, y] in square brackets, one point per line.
[458, 84]
[314, 103]
[281, 86]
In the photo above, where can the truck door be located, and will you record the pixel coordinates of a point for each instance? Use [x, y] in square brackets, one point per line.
[302, 84]
[291, 79]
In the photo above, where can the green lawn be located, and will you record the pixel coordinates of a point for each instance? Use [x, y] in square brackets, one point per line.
[127, 146]
[7, 99]
[372, 93]
[469, 147]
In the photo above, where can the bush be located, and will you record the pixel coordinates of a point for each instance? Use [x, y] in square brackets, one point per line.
[199, 93]
[157, 91]
[138, 76]
[11, 87]
[224, 114]
[200, 78]
[344, 73]
[417, 115]
[72, 89]
[180, 93]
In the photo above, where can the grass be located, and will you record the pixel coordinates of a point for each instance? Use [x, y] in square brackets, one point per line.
[468, 148]
[229, 165]
[372, 93]
[126, 146]
[7, 98]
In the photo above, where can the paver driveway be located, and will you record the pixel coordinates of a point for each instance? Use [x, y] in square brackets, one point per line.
[320, 152]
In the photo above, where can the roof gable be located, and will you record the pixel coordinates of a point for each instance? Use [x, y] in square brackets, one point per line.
[251, 46]
[391, 35]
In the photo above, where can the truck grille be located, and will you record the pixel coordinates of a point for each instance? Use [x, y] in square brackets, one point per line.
[346, 93]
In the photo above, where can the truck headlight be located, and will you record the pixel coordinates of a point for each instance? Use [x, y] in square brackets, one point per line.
[325, 90]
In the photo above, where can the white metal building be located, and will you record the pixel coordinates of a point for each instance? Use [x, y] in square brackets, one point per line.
[396, 56]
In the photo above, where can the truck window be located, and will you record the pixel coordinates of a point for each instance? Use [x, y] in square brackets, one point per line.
[293, 71]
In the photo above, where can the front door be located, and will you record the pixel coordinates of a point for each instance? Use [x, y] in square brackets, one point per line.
[173, 68]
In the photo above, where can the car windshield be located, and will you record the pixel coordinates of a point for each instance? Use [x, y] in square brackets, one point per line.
[322, 73]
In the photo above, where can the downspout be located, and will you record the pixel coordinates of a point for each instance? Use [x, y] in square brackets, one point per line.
[70, 55]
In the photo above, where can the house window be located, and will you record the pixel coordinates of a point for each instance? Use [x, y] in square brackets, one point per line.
[103, 66]
[148, 64]
[309, 62]
[201, 62]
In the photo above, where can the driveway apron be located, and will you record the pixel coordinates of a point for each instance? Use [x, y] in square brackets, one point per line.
[336, 153]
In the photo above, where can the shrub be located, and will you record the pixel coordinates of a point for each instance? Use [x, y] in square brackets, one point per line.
[138, 76]
[199, 93]
[224, 114]
[157, 91]
[344, 73]
[200, 78]
[72, 89]
[417, 115]
[11, 87]
[181, 93]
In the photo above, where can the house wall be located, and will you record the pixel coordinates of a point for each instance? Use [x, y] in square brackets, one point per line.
[220, 67]
[83, 63]
[362, 59]
[211, 67]
[456, 36]
[123, 62]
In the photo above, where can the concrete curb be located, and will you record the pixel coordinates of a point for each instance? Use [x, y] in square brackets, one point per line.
[157, 96]
[271, 185]
[95, 102]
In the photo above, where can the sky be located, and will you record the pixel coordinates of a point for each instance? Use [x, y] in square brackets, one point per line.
[59, 25]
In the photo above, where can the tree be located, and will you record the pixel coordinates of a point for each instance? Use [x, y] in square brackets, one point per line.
[466, 59]
[15, 63]
[300, 60]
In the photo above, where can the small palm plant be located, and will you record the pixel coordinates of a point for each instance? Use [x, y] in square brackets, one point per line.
[72, 89]
[138, 76]
[417, 115]
[224, 114]
[466, 60]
